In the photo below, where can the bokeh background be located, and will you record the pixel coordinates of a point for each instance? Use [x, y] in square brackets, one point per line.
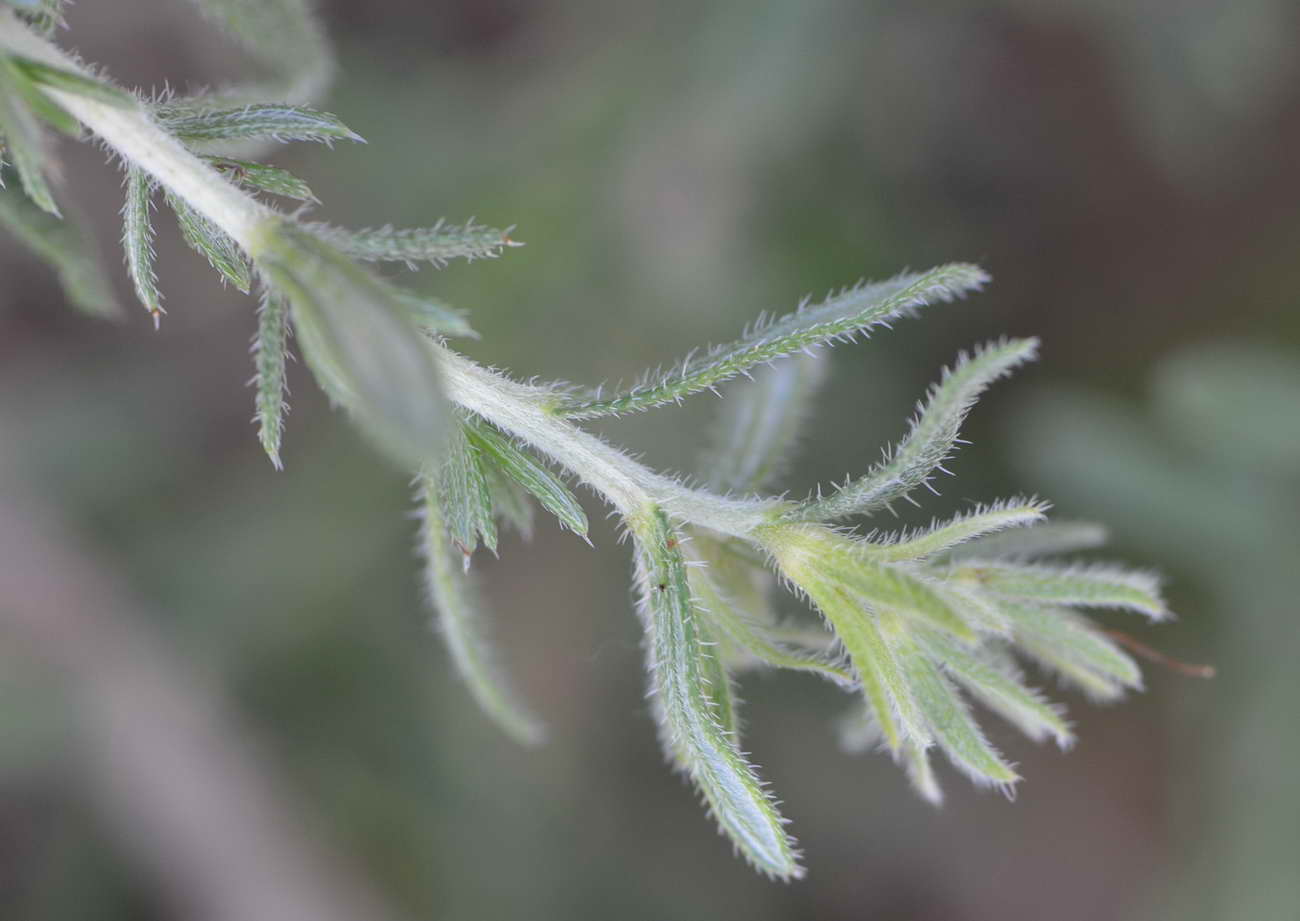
[1129, 171]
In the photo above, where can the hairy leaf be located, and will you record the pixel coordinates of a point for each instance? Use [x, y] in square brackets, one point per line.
[464, 494]
[1071, 646]
[692, 728]
[530, 473]
[438, 244]
[1092, 585]
[265, 178]
[452, 592]
[360, 343]
[1011, 513]
[931, 439]
[137, 240]
[212, 243]
[72, 82]
[23, 136]
[1027, 543]
[278, 122]
[856, 310]
[270, 352]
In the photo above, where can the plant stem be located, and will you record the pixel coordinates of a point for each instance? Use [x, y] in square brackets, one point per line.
[520, 410]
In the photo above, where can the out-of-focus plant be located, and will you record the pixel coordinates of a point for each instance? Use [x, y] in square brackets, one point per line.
[916, 622]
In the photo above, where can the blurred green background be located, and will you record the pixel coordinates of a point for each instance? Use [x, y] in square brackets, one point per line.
[1128, 171]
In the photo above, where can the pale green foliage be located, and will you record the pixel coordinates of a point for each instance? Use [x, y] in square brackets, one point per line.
[437, 244]
[460, 620]
[918, 623]
[137, 239]
[270, 354]
[695, 733]
[843, 316]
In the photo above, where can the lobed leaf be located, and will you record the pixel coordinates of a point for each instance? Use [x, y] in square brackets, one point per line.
[856, 310]
[437, 245]
[932, 437]
[137, 240]
[693, 729]
[270, 354]
[1091, 585]
[212, 243]
[360, 342]
[460, 616]
[759, 423]
[276, 121]
[530, 473]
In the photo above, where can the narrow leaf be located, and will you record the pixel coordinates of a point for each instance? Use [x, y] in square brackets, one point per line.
[856, 310]
[437, 245]
[530, 473]
[1090, 585]
[360, 343]
[949, 717]
[270, 351]
[995, 682]
[931, 439]
[510, 502]
[278, 122]
[432, 314]
[460, 619]
[759, 423]
[692, 728]
[265, 178]
[1071, 646]
[24, 138]
[137, 240]
[464, 494]
[212, 243]
[72, 82]
[1012, 513]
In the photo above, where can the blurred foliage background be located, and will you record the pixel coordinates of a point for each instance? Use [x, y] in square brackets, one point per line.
[1128, 171]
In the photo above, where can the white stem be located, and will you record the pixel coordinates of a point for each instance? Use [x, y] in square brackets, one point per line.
[520, 410]
[132, 134]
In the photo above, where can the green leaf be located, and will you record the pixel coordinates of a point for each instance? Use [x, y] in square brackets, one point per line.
[62, 245]
[23, 136]
[1068, 644]
[931, 439]
[947, 715]
[530, 473]
[856, 310]
[453, 594]
[1090, 585]
[510, 502]
[45, 16]
[680, 670]
[759, 423]
[1010, 513]
[993, 679]
[733, 597]
[278, 122]
[432, 314]
[270, 352]
[1040, 540]
[265, 178]
[137, 240]
[360, 343]
[464, 495]
[212, 243]
[437, 245]
[72, 82]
